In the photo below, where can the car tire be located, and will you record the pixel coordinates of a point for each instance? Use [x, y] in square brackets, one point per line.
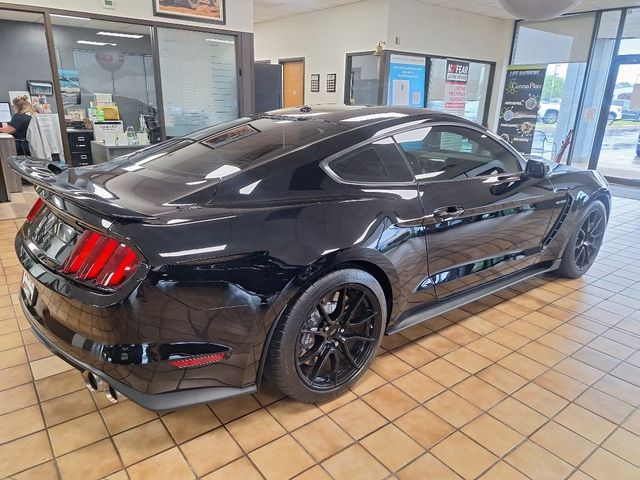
[611, 118]
[307, 358]
[550, 117]
[585, 242]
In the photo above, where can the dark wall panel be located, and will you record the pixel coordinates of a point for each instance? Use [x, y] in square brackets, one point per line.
[268, 86]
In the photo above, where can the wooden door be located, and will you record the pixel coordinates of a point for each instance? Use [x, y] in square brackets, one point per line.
[293, 84]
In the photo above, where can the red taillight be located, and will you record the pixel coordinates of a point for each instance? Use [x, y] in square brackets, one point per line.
[103, 260]
[199, 360]
[35, 210]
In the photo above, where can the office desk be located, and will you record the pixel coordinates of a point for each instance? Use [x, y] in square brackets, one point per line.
[10, 181]
[102, 153]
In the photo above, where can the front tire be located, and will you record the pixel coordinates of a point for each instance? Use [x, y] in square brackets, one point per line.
[328, 336]
[585, 242]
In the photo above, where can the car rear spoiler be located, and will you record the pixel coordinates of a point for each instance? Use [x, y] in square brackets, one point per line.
[47, 175]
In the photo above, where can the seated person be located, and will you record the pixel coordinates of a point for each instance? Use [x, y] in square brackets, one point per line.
[20, 123]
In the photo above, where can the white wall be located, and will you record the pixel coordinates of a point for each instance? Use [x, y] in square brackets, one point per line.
[323, 38]
[425, 28]
[239, 12]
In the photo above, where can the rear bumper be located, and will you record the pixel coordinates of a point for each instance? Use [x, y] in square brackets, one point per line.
[157, 402]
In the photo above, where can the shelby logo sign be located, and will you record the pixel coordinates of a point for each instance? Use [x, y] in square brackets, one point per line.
[457, 71]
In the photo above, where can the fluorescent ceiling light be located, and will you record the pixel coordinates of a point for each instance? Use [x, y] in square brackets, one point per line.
[98, 44]
[70, 17]
[121, 35]
[218, 40]
[375, 116]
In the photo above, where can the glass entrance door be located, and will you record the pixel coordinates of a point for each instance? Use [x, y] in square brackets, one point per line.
[619, 154]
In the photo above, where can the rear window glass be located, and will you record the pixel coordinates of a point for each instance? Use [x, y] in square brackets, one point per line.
[228, 148]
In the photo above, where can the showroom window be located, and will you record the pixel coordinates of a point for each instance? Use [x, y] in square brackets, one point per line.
[28, 62]
[101, 64]
[474, 88]
[450, 152]
[199, 79]
[154, 81]
[561, 46]
[420, 80]
[380, 162]
[363, 77]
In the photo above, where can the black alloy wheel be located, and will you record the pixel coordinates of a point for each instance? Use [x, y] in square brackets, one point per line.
[327, 337]
[338, 337]
[589, 239]
[585, 242]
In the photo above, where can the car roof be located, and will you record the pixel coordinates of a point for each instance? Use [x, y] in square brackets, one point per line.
[356, 116]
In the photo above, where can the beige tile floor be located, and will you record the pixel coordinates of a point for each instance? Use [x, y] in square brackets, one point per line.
[541, 381]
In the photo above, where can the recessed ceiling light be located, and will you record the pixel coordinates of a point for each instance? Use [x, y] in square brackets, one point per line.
[98, 44]
[121, 35]
[70, 17]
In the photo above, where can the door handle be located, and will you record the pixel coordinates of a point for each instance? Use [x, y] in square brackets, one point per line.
[448, 213]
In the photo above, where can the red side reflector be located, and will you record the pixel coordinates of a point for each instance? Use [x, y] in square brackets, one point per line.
[105, 261]
[199, 360]
[35, 210]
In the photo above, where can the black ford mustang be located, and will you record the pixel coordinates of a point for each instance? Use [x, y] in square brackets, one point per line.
[287, 244]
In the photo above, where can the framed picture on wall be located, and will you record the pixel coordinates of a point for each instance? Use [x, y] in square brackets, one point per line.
[331, 82]
[212, 11]
[315, 82]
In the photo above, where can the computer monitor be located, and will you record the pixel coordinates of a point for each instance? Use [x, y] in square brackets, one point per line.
[5, 112]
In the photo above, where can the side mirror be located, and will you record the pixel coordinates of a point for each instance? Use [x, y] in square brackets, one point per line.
[537, 168]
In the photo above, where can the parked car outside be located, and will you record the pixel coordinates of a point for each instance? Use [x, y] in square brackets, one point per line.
[549, 111]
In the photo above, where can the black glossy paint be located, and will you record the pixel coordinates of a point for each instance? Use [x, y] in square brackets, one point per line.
[222, 257]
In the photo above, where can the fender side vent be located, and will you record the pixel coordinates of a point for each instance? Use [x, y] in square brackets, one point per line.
[559, 222]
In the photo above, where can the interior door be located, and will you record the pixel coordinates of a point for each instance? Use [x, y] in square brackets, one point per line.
[483, 219]
[293, 83]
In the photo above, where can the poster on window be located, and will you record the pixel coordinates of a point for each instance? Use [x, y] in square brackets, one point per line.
[520, 105]
[455, 87]
[407, 75]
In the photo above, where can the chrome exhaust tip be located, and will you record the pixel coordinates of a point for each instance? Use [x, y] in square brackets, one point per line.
[92, 382]
[111, 394]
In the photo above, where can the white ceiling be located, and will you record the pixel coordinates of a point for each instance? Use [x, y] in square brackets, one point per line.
[264, 10]
[271, 9]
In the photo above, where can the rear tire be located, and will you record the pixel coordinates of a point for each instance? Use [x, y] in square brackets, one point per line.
[328, 336]
[585, 242]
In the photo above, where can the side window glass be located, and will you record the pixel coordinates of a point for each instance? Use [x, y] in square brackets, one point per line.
[379, 162]
[450, 152]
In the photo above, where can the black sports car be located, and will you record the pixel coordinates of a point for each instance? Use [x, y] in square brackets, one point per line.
[287, 244]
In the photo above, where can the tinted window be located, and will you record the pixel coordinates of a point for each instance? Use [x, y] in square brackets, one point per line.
[375, 163]
[449, 152]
